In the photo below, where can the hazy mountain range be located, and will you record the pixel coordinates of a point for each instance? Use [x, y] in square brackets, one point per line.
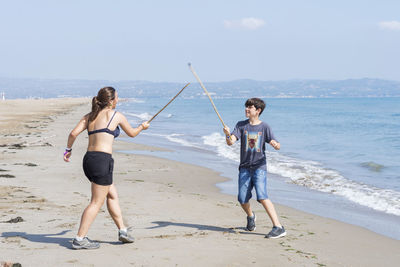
[45, 88]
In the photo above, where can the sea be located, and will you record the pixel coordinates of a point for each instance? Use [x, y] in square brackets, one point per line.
[339, 157]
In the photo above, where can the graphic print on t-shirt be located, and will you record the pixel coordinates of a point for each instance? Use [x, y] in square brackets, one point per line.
[253, 141]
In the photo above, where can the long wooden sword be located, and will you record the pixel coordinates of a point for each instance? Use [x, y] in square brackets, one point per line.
[205, 90]
[169, 102]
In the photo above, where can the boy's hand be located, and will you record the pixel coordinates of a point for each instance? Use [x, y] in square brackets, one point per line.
[275, 144]
[227, 131]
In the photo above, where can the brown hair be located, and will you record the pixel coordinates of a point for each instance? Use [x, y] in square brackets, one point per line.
[102, 100]
[256, 102]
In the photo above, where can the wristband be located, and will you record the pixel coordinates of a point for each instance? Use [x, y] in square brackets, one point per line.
[67, 150]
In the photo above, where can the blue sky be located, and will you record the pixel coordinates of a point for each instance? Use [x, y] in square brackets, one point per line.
[223, 39]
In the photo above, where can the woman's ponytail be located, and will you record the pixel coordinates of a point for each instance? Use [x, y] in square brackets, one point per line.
[99, 102]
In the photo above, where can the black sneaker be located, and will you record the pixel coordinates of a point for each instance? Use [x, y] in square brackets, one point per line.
[124, 237]
[276, 232]
[251, 222]
[86, 243]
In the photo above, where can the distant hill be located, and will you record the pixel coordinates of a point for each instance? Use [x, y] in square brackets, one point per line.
[45, 88]
[311, 88]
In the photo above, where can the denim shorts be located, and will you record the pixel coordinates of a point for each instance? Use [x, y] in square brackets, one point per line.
[249, 178]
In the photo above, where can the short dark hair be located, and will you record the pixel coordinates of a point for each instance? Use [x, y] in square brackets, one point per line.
[256, 102]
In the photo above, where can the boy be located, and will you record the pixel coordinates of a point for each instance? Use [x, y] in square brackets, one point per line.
[254, 133]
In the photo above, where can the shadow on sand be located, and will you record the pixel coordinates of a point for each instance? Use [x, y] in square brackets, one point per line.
[43, 238]
[49, 238]
[202, 227]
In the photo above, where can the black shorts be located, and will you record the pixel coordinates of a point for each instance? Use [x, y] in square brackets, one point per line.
[98, 167]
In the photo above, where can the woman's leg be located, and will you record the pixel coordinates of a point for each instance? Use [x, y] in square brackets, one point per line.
[115, 211]
[99, 193]
[113, 207]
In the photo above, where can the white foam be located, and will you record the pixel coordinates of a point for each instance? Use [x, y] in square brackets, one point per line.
[146, 116]
[217, 141]
[177, 138]
[143, 116]
[313, 175]
[135, 100]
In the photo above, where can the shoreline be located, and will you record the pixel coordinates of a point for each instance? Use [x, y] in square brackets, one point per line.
[178, 214]
[291, 195]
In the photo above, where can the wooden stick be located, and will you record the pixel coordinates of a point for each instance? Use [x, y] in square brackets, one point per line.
[169, 102]
[205, 90]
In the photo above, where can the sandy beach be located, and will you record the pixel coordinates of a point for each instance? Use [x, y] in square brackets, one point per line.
[176, 213]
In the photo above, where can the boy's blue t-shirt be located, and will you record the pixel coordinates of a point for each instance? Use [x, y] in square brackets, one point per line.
[253, 139]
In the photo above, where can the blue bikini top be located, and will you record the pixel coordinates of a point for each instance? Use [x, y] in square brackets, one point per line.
[115, 133]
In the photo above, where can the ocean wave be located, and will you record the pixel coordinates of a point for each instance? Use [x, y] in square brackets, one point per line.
[315, 176]
[135, 100]
[217, 141]
[178, 139]
[146, 116]
[143, 116]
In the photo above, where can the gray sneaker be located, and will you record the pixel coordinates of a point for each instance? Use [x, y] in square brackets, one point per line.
[276, 232]
[86, 243]
[251, 222]
[124, 237]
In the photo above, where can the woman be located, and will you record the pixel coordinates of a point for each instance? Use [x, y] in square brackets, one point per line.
[102, 126]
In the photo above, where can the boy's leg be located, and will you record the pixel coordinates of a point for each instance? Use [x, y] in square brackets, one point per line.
[277, 230]
[245, 186]
[270, 209]
[246, 207]
[260, 184]
[251, 217]
[244, 191]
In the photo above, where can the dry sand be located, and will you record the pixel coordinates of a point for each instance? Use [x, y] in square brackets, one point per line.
[177, 214]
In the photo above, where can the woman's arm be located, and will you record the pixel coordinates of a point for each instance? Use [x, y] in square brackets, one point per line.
[128, 129]
[80, 127]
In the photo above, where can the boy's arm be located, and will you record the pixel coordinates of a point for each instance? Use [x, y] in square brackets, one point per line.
[270, 138]
[275, 144]
[229, 138]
